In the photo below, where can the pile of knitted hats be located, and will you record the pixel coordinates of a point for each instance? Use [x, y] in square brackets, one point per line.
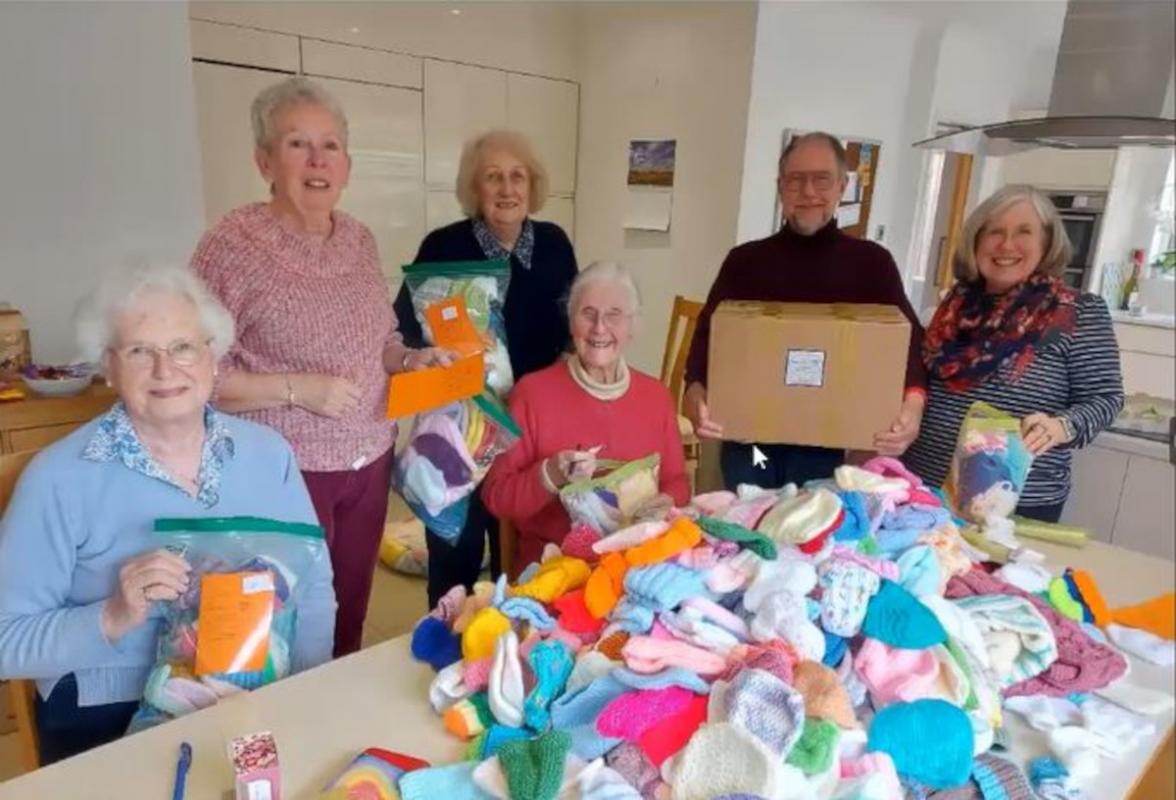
[840, 640]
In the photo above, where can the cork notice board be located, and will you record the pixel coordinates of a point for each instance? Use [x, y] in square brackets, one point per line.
[853, 213]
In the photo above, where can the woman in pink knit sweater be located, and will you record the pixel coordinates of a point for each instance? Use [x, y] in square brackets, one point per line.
[316, 335]
[588, 406]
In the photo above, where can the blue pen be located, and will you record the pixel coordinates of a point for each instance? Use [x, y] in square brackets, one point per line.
[182, 767]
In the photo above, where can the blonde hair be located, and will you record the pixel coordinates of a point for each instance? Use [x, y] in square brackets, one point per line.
[512, 142]
[1056, 248]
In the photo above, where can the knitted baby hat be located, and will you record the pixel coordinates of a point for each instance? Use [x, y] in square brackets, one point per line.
[761, 704]
[896, 617]
[722, 758]
[941, 761]
[824, 694]
[800, 519]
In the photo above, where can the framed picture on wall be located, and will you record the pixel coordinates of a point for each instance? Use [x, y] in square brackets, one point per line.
[853, 211]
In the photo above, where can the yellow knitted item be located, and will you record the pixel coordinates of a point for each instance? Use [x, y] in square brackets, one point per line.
[483, 594]
[556, 577]
[605, 585]
[481, 635]
[683, 535]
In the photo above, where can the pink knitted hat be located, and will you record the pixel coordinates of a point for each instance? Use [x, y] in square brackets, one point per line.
[646, 655]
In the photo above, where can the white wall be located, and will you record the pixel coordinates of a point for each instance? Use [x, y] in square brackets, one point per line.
[1133, 197]
[535, 37]
[842, 67]
[663, 70]
[101, 160]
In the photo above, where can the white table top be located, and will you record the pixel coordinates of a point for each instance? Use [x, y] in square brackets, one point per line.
[378, 698]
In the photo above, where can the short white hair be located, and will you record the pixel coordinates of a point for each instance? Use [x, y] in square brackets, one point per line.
[98, 314]
[604, 272]
[293, 91]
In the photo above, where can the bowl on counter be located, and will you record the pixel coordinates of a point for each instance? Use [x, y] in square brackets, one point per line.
[58, 381]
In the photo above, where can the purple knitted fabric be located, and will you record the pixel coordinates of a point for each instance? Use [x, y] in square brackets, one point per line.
[1083, 664]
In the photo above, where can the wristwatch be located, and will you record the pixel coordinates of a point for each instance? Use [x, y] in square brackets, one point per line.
[1067, 427]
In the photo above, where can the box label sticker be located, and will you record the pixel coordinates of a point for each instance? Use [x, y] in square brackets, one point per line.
[805, 368]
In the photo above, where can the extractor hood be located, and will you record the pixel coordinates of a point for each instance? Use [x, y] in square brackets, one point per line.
[1112, 87]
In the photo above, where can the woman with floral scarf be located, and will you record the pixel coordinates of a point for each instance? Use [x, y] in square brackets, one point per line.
[1011, 333]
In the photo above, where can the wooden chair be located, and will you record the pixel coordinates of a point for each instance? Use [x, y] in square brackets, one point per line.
[21, 693]
[683, 322]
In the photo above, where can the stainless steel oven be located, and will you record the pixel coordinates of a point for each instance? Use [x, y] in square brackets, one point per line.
[1082, 216]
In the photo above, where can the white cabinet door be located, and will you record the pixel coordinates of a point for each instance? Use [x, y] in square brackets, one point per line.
[441, 208]
[223, 97]
[231, 44]
[385, 192]
[1098, 477]
[331, 60]
[561, 211]
[547, 111]
[1147, 511]
[460, 102]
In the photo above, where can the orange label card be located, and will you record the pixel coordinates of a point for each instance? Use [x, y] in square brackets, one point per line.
[236, 611]
[451, 326]
[425, 389]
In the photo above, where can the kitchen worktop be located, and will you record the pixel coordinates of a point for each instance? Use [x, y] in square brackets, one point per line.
[1147, 318]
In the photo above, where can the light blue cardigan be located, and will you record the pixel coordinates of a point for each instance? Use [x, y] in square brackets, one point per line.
[86, 504]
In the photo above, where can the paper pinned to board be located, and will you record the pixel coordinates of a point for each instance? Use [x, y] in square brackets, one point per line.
[648, 208]
[849, 215]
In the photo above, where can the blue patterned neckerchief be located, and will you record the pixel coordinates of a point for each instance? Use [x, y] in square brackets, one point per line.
[115, 439]
[523, 250]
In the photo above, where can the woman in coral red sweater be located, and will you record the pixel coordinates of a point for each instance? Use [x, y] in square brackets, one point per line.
[589, 406]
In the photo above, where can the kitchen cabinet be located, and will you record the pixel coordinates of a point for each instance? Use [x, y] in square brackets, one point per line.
[1147, 355]
[1122, 494]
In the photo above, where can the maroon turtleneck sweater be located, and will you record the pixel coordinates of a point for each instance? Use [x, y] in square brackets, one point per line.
[827, 267]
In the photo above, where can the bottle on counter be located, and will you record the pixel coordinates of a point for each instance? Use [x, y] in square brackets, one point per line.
[1131, 287]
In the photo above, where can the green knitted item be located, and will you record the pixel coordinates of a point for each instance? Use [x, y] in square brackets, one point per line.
[971, 702]
[868, 546]
[534, 768]
[474, 750]
[757, 543]
[813, 754]
[1060, 598]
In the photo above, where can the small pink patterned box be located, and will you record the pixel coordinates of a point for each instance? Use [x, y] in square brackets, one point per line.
[255, 764]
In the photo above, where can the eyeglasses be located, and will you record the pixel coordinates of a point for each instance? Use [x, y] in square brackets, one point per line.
[821, 181]
[181, 352]
[611, 318]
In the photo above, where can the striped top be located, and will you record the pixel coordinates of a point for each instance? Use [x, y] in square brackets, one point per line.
[307, 304]
[1076, 376]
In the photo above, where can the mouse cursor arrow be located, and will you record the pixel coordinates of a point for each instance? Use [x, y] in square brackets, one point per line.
[758, 459]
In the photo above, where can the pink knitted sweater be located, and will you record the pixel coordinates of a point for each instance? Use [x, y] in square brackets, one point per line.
[306, 304]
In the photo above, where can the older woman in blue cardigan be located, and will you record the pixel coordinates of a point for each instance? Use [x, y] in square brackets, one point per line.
[81, 580]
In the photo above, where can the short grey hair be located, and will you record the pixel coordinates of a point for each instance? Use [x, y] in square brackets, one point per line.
[293, 91]
[118, 292]
[604, 272]
[1056, 249]
[470, 166]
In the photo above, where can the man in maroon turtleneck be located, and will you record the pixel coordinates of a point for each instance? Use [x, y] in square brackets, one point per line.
[808, 261]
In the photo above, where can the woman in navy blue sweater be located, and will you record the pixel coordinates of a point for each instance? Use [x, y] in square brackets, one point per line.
[500, 183]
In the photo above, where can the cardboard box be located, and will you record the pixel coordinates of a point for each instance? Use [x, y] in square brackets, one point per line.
[806, 373]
